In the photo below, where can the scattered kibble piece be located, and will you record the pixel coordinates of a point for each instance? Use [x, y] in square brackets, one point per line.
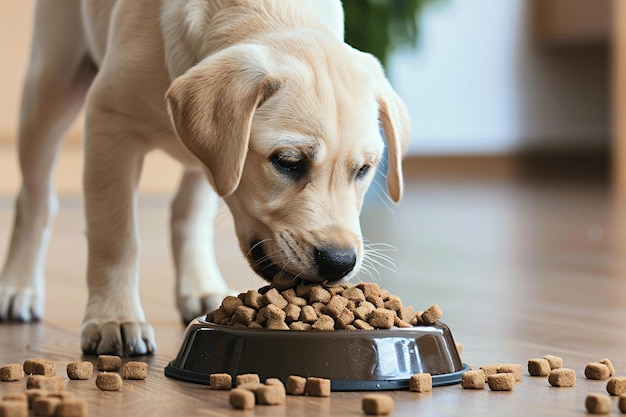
[501, 382]
[247, 378]
[616, 386]
[295, 385]
[317, 387]
[109, 381]
[377, 404]
[48, 383]
[562, 377]
[459, 348]
[432, 314]
[109, 363]
[490, 369]
[40, 367]
[597, 371]
[621, 404]
[274, 381]
[11, 372]
[13, 409]
[598, 403]
[538, 367]
[135, 370]
[555, 362]
[33, 393]
[609, 364]
[241, 399]
[45, 406]
[71, 408]
[79, 370]
[474, 379]
[270, 394]
[220, 381]
[512, 368]
[422, 382]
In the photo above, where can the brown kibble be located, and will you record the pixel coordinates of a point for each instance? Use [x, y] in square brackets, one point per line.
[109, 381]
[381, 318]
[292, 298]
[308, 314]
[230, 304]
[317, 294]
[45, 406]
[273, 297]
[354, 294]
[335, 306]
[292, 312]
[490, 369]
[241, 399]
[394, 303]
[13, 409]
[48, 383]
[609, 364]
[319, 308]
[303, 290]
[33, 394]
[324, 323]
[15, 396]
[272, 311]
[407, 314]
[38, 366]
[296, 385]
[255, 325]
[459, 348]
[555, 362]
[220, 381]
[317, 387]
[376, 301]
[72, 408]
[272, 394]
[538, 367]
[512, 368]
[621, 404]
[501, 382]
[474, 379]
[562, 377]
[274, 381]
[369, 289]
[253, 299]
[344, 319]
[598, 403]
[62, 395]
[298, 325]
[398, 322]
[11, 372]
[377, 404]
[109, 363]
[276, 324]
[79, 370]
[616, 386]
[247, 378]
[363, 325]
[29, 364]
[432, 314]
[135, 370]
[362, 312]
[597, 371]
[244, 315]
[421, 382]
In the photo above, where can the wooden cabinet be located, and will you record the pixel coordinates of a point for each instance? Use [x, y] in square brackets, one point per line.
[572, 22]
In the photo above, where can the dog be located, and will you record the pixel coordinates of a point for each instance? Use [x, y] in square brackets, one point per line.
[262, 102]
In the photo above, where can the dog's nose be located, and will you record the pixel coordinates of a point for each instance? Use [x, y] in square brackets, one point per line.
[333, 264]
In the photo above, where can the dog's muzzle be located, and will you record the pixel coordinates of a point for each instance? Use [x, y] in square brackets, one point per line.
[332, 264]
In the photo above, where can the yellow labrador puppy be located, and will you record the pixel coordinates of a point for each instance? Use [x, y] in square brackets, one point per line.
[260, 100]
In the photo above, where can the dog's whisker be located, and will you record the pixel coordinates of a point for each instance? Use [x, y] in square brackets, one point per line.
[257, 244]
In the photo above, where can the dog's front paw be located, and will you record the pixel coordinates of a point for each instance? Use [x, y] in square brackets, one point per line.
[129, 338]
[192, 306]
[22, 304]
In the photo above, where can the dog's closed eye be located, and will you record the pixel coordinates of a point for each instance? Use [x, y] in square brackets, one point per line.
[290, 164]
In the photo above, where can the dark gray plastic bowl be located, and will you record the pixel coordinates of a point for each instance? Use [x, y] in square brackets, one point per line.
[354, 360]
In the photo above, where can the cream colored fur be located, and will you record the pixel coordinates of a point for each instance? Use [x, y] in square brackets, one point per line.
[260, 100]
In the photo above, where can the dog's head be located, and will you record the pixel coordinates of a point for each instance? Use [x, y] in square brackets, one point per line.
[290, 137]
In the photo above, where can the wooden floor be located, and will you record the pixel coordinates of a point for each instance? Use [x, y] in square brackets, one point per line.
[521, 269]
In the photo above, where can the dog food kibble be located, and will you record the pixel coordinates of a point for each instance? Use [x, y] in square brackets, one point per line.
[241, 399]
[48, 383]
[616, 386]
[319, 307]
[377, 404]
[220, 381]
[273, 394]
[474, 379]
[621, 404]
[512, 368]
[598, 403]
[13, 409]
[33, 393]
[40, 367]
[71, 408]
[421, 383]
[501, 382]
[109, 363]
[609, 364]
[562, 377]
[135, 370]
[45, 406]
[554, 361]
[79, 370]
[247, 378]
[109, 381]
[490, 369]
[11, 372]
[295, 385]
[538, 367]
[597, 370]
[317, 387]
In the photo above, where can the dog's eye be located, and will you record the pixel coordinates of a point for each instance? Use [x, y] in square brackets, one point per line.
[362, 172]
[289, 164]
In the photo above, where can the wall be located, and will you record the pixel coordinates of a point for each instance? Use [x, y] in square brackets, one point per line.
[479, 83]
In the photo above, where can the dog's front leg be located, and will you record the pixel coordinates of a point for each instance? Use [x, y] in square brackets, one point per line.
[114, 320]
[200, 286]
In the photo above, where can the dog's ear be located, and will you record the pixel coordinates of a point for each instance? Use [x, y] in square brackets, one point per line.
[396, 125]
[212, 105]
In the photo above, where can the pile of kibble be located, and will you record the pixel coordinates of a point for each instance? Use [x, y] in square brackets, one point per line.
[317, 307]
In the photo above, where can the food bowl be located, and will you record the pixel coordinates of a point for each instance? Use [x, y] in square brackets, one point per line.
[354, 360]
